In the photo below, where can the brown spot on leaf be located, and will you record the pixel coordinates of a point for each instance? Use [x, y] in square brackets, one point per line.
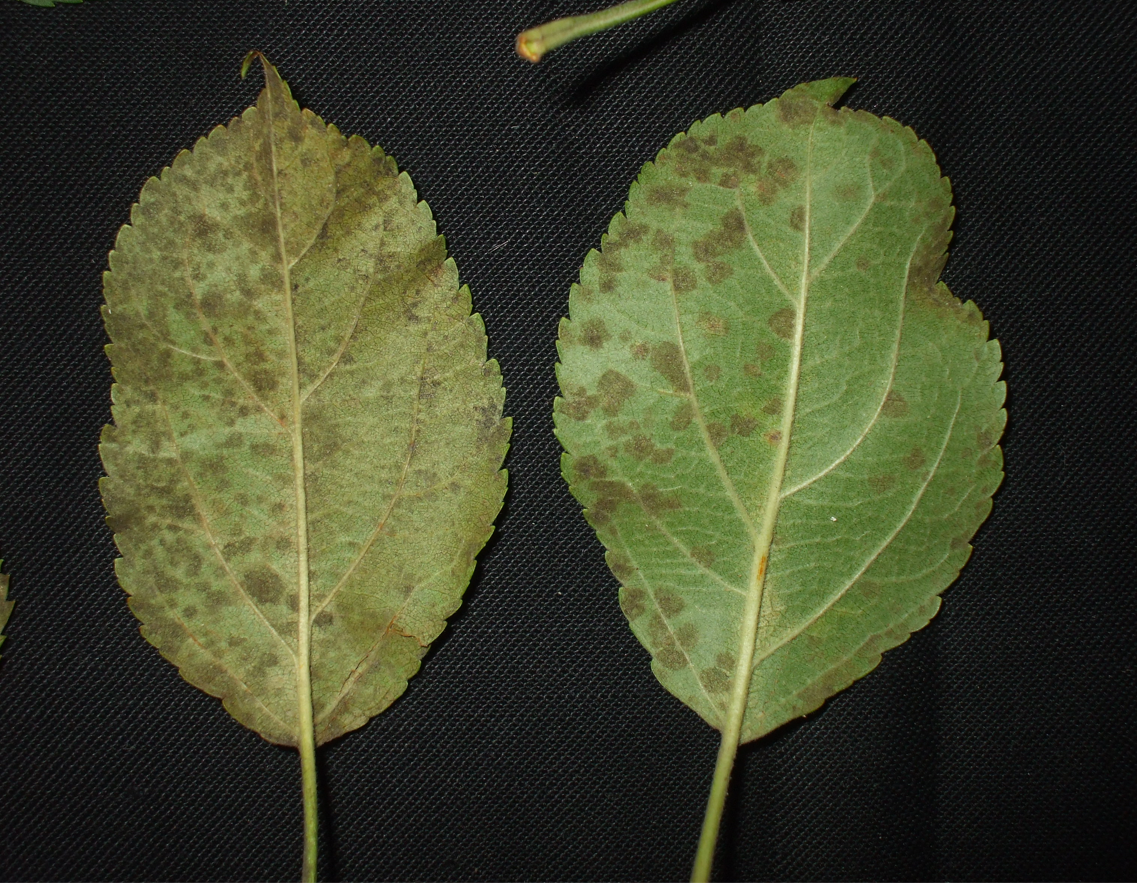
[750, 369]
[704, 555]
[324, 619]
[895, 405]
[729, 180]
[718, 272]
[640, 351]
[766, 190]
[683, 279]
[667, 359]
[882, 484]
[717, 432]
[914, 459]
[725, 661]
[741, 425]
[783, 171]
[765, 351]
[712, 373]
[264, 584]
[773, 406]
[669, 195]
[730, 234]
[796, 110]
[614, 390]
[662, 242]
[682, 417]
[712, 324]
[643, 448]
[594, 334]
[578, 404]
[863, 264]
[670, 657]
[656, 502]
[870, 588]
[619, 428]
[774, 437]
[687, 635]
[739, 153]
[669, 603]
[797, 218]
[782, 323]
[589, 468]
[610, 494]
[621, 566]
[714, 680]
[632, 602]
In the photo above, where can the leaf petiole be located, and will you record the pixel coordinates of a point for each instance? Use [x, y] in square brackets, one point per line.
[535, 42]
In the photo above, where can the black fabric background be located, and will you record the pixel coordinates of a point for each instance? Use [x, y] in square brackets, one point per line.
[998, 743]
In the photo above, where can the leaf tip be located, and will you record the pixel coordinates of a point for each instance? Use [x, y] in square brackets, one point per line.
[826, 91]
[266, 65]
[253, 53]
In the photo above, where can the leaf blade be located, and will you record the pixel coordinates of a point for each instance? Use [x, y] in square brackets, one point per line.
[691, 315]
[275, 292]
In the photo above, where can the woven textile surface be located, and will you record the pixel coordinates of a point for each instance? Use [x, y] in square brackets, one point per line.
[535, 744]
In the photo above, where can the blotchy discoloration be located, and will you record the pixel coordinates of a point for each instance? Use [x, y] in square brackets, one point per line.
[643, 448]
[682, 417]
[633, 602]
[614, 390]
[915, 459]
[782, 323]
[594, 334]
[251, 304]
[895, 405]
[742, 424]
[667, 359]
[670, 604]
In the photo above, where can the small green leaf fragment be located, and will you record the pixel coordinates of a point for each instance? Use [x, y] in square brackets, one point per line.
[5, 605]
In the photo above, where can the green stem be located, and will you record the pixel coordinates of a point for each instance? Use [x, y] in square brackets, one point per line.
[311, 816]
[732, 731]
[535, 42]
[705, 856]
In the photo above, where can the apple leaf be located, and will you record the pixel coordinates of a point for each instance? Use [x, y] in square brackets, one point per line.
[781, 425]
[307, 440]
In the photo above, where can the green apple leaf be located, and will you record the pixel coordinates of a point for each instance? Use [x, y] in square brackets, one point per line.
[781, 425]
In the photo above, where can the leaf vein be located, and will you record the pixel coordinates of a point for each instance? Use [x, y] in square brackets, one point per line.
[195, 496]
[877, 552]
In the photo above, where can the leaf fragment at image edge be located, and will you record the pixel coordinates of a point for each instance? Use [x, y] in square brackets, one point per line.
[5, 605]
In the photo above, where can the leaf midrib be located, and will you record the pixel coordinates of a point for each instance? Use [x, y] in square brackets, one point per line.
[304, 625]
[740, 684]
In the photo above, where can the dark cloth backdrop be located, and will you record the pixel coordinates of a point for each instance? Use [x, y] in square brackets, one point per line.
[998, 743]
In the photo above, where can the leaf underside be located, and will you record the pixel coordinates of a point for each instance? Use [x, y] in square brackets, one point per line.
[769, 298]
[5, 605]
[293, 356]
